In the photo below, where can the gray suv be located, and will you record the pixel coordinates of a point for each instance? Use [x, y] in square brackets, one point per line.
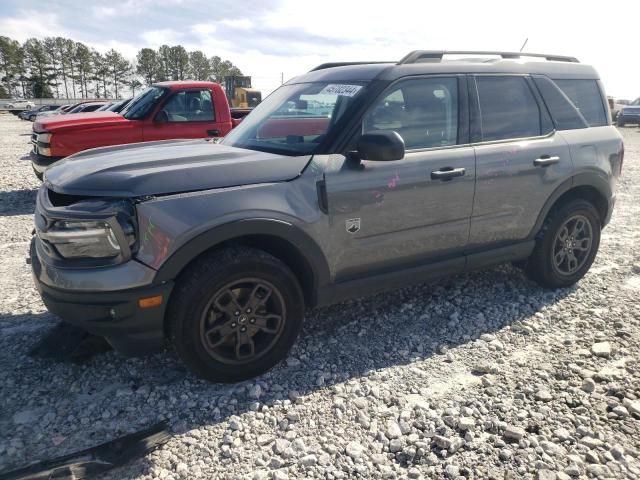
[348, 180]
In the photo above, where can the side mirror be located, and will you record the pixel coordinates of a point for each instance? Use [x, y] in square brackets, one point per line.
[383, 145]
[161, 117]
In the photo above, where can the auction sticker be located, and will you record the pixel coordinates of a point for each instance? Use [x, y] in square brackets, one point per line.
[342, 90]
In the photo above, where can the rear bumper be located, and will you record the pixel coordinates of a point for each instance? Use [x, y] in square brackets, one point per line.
[634, 118]
[40, 162]
[114, 315]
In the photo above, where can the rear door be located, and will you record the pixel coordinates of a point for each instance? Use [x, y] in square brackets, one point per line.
[520, 158]
[185, 114]
[396, 214]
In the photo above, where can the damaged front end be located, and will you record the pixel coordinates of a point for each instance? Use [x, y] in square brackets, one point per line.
[84, 267]
[76, 231]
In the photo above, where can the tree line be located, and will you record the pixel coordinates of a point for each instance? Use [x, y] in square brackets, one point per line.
[57, 67]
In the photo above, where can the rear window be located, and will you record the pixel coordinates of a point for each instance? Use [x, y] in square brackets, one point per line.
[585, 96]
[564, 114]
[508, 109]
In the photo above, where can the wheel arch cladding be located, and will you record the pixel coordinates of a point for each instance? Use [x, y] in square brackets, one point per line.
[291, 245]
[590, 187]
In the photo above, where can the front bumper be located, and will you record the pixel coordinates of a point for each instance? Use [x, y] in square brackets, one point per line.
[41, 162]
[114, 315]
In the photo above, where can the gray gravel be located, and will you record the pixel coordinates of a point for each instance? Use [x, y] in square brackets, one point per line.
[483, 375]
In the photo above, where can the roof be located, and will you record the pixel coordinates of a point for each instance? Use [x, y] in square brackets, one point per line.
[434, 62]
[173, 84]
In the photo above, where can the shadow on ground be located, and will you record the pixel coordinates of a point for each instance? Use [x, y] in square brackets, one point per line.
[338, 343]
[17, 202]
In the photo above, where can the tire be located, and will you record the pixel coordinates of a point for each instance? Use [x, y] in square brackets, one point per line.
[550, 264]
[202, 302]
[619, 122]
[38, 174]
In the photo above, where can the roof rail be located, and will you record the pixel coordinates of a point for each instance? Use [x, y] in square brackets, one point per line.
[420, 56]
[342, 64]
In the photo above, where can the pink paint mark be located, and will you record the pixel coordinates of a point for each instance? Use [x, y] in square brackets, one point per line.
[394, 181]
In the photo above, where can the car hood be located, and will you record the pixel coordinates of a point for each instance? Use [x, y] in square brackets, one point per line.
[631, 109]
[55, 123]
[166, 167]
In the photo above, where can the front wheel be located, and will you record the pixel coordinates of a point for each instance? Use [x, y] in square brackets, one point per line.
[235, 314]
[566, 246]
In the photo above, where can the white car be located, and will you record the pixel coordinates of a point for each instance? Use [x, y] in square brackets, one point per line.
[20, 104]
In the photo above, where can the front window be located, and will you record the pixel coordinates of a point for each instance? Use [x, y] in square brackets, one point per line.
[144, 102]
[295, 119]
[424, 112]
[636, 102]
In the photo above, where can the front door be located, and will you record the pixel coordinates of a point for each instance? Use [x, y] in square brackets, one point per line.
[185, 114]
[397, 214]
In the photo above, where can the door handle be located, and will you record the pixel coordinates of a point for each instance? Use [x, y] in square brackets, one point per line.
[213, 133]
[447, 173]
[546, 160]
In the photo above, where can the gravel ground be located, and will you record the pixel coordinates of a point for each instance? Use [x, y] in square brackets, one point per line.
[483, 375]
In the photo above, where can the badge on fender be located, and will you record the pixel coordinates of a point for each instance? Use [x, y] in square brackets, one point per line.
[352, 225]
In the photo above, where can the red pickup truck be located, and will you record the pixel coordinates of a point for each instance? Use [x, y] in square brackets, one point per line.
[165, 110]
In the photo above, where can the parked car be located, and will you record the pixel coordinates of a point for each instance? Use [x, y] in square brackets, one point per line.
[87, 107]
[58, 111]
[166, 110]
[629, 114]
[116, 106]
[615, 105]
[419, 169]
[20, 103]
[31, 114]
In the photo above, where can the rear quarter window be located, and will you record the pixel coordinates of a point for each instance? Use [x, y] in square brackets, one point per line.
[587, 98]
[565, 115]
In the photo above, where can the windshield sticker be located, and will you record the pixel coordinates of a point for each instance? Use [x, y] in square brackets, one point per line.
[342, 90]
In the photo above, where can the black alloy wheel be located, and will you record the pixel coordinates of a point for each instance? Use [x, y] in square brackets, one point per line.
[242, 321]
[234, 313]
[566, 245]
[572, 245]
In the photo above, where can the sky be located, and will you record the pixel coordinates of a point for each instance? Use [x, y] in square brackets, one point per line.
[274, 39]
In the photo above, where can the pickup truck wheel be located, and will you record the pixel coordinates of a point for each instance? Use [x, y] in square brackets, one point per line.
[566, 246]
[234, 314]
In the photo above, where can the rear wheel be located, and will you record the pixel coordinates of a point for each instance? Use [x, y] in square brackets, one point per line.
[567, 245]
[235, 314]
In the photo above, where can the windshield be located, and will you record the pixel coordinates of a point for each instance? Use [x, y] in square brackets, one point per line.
[143, 103]
[636, 101]
[294, 119]
[119, 106]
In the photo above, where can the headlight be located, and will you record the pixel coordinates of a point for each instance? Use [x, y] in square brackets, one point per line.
[44, 138]
[84, 239]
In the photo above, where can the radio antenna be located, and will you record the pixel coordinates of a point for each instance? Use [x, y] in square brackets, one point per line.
[525, 42]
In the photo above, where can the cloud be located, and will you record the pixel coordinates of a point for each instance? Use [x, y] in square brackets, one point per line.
[165, 36]
[272, 37]
[23, 26]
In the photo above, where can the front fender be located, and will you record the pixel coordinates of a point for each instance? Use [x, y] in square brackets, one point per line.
[283, 230]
